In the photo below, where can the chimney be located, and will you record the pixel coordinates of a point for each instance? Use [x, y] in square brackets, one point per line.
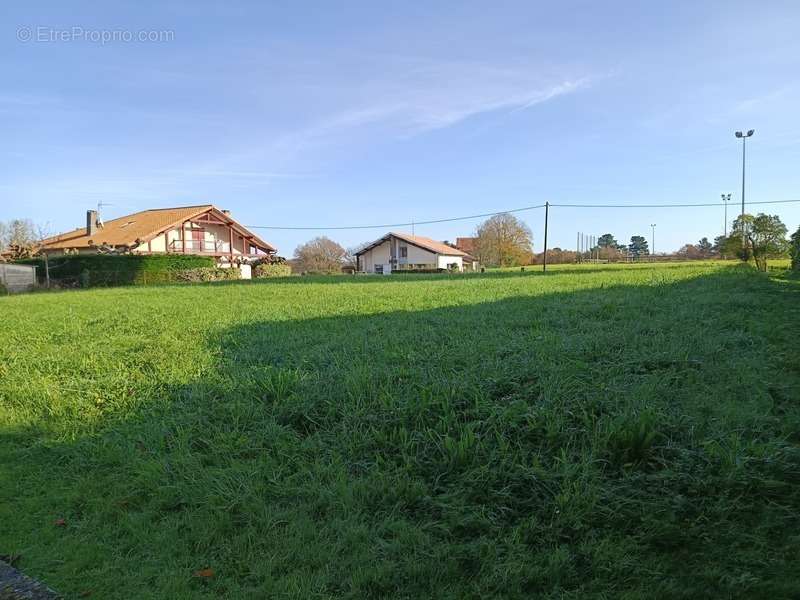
[91, 222]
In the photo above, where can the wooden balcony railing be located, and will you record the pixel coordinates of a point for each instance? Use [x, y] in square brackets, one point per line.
[198, 246]
[211, 248]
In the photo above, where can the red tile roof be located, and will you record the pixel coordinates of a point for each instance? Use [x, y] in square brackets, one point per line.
[420, 241]
[142, 226]
[467, 244]
[429, 244]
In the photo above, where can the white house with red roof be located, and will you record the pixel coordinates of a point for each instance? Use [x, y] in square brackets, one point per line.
[404, 252]
[203, 229]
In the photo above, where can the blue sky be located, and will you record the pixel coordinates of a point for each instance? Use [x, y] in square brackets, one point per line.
[350, 113]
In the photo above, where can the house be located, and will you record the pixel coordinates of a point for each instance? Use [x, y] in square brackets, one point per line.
[404, 252]
[467, 244]
[204, 230]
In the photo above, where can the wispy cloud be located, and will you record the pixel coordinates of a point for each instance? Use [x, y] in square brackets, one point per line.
[432, 99]
[397, 98]
[766, 100]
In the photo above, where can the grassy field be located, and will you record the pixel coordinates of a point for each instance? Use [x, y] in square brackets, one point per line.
[607, 432]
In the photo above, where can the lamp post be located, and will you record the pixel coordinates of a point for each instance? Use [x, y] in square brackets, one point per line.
[744, 137]
[725, 199]
[653, 240]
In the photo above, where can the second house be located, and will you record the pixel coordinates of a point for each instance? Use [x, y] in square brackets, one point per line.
[404, 252]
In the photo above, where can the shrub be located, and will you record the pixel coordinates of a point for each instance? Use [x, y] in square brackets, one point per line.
[207, 274]
[794, 249]
[272, 270]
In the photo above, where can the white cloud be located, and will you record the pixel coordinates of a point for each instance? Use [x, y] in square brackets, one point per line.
[437, 97]
[416, 97]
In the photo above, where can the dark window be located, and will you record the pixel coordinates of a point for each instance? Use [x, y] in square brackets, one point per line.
[403, 252]
[379, 269]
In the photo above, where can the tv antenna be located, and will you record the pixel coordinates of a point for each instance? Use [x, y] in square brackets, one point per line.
[100, 205]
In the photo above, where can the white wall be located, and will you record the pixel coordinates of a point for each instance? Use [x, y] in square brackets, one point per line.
[215, 237]
[416, 256]
[379, 255]
[448, 260]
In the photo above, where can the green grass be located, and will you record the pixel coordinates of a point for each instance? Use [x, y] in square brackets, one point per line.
[614, 432]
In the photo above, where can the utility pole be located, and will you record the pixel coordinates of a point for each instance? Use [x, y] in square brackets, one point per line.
[46, 270]
[653, 241]
[725, 199]
[546, 217]
[743, 137]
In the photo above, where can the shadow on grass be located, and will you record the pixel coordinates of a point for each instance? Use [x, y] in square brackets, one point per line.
[637, 439]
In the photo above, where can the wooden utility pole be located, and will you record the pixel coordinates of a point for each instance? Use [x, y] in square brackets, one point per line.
[46, 271]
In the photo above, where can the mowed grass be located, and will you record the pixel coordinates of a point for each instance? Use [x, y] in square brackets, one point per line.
[609, 432]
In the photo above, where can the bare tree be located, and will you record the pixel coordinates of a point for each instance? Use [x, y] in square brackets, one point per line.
[20, 238]
[320, 255]
[504, 241]
[350, 259]
[19, 232]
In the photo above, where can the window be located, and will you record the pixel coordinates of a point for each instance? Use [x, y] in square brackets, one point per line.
[403, 251]
[379, 269]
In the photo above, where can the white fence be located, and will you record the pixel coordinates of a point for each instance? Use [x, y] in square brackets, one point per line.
[17, 278]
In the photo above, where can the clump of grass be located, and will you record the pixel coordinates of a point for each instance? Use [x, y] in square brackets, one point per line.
[630, 438]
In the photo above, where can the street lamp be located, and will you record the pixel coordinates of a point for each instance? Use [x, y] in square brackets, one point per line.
[653, 240]
[725, 199]
[744, 137]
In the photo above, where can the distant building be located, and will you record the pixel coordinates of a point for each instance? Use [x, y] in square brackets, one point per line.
[467, 244]
[205, 230]
[404, 252]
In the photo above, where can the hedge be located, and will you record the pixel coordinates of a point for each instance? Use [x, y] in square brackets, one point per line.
[417, 271]
[207, 274]
[112, 269]
[272, 270]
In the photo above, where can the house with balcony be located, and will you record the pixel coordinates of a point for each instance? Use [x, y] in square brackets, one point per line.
[204, 230]
[404, 252]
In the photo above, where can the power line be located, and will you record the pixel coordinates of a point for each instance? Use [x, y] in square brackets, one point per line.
[500, 212]
[387, 225]
[663, 205]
